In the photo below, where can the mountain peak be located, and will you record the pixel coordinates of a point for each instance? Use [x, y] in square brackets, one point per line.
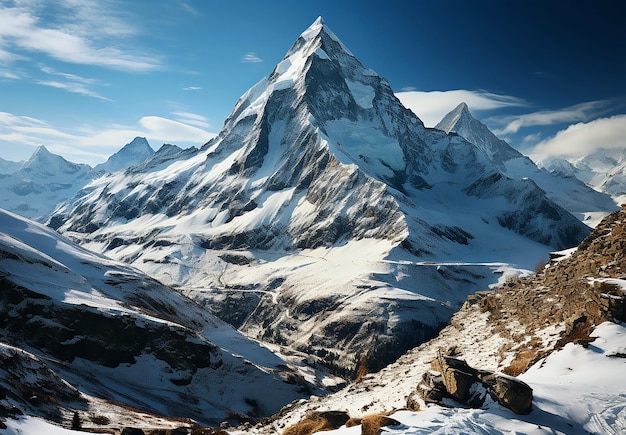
[40, 151]
[318, 38]
[461, 121]
[42, 157]
[451, 121]
[133, 153]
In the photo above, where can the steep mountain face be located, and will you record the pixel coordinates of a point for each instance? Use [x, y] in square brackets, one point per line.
[131, 154]
[561, 331]
[101, 336]
[559, 185]
[604, 170]
[41, 183]
[324, 216]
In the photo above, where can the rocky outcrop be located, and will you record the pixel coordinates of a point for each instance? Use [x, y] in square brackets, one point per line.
[453, 378]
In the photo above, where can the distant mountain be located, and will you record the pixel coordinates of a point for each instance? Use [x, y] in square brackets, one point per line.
[604, 170]
[324, 216]
[561, 186]
[82, 333]
[461, 121]
[47, 179]
[41, 183]
[9, 167]
[133, 153]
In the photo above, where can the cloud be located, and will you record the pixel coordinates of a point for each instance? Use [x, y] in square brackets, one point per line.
[72, 83]
[192, 88]
[583, 138]
[577, 113]
[432, 106]
[20, 135]
[192, 119]
[74, 32]
[251, 57]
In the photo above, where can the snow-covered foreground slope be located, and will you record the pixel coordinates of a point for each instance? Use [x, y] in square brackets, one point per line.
[324, 216]
[97, 329]
[569, 192]
[576, 391]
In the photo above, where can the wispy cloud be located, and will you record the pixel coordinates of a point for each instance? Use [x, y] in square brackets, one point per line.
[171, 131]
[79, 32]
[192, 88]
[432, 106]
[71, 83]
[583, 138]
[251, 57]
[578, 113]
[192, 119]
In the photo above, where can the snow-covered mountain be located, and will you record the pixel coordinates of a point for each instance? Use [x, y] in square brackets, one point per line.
[604, 170]
[560, 186]
[82, 333]
[47, 179]
[324, 216]
[131, 154]
[8, 166]
[41, 183]
[461, 121]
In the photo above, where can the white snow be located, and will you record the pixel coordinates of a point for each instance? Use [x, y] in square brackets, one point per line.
[363, 94]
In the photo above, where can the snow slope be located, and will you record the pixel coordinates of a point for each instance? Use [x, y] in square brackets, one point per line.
[576, 391]
[113, 333]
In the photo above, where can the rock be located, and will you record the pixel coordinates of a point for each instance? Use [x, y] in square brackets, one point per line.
[454, 378]
[458, 376]
[431, 389]
[510, 392]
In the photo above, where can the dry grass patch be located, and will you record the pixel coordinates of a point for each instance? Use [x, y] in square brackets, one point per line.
[373, 424]
[318, 422]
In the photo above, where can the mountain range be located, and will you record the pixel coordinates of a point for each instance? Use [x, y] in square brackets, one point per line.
[324, 235]
[604, 170]
[324, 216]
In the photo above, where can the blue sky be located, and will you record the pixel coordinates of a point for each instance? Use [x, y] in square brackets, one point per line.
[86, 77]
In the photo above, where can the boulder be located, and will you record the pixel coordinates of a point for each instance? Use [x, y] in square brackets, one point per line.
[510, 392]
[458, 376]
[452, 377]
